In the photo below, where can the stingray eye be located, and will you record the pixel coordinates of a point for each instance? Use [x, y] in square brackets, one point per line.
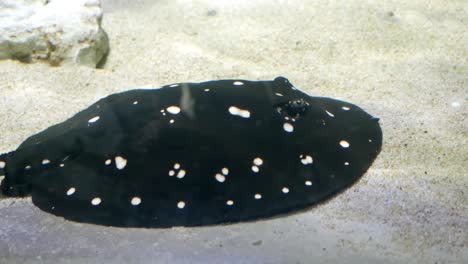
[297, 107]
[298, 104]
[293, 108]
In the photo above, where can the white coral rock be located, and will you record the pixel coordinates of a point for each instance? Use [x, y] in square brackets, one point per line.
[56, 31]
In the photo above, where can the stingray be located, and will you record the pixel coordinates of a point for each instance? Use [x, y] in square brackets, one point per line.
[191, 154]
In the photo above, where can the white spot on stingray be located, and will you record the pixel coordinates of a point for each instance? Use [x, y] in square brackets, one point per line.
[108, 161]
[288, 127]
[96, 201]
[171, 121]
[71, 191]
[233, 110]
[94, 119]
[173, 109]
[308, 183]
[181, 174]
[181, 204]
[120, 162]
[238, 83]
[278, 94]
[344, 144]
[135, 201]
[220, 177]
[370, 140]
[135, 102]
[258, 161]
[255, 169]
[62, 165]
[258, 196]
[346, 163]
[177, 171]
[225, 171]
[45, 161]
[345, 108]
[28, 167]
[330, 114]
[229, 202]
[306, 159]
[207, 90]
[173, 85]
[2, 164]
[285, 190]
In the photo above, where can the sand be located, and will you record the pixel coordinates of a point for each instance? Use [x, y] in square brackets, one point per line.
[403, 61]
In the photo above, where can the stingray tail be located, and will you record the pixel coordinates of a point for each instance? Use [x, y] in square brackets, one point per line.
[3, 158]
[3, 163]
[11, 185]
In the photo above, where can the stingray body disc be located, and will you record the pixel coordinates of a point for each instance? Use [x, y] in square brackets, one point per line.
[195, 154]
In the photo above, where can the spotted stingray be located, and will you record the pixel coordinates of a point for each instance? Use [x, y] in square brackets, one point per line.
[191, 154]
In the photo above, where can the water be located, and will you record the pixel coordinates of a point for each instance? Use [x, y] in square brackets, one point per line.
[404, 62]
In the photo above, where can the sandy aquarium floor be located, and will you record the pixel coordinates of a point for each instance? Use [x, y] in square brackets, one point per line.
[403, 61]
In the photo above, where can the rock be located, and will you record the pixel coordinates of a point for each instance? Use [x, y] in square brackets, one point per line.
[56, 31]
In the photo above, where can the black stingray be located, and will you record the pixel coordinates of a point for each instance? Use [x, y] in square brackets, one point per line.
[194, 154]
